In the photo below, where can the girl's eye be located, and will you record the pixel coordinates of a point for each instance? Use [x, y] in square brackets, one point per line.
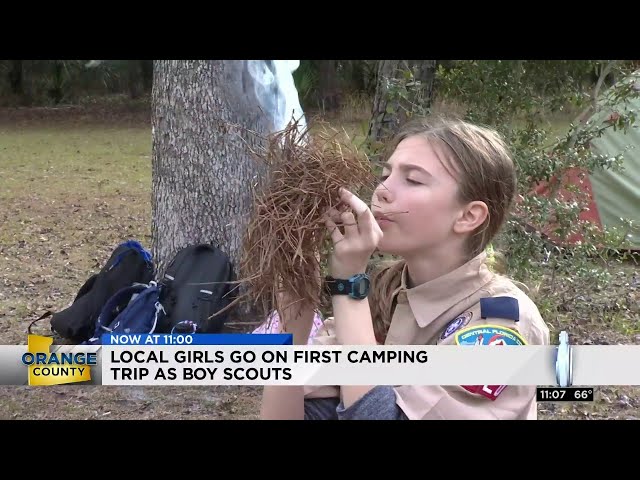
[413, 182]
[383, 177]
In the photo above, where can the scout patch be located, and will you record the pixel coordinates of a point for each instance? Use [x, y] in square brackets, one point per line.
[459, 322]
[489, 335]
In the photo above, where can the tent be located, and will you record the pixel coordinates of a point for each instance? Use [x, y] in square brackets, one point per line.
[612, 195]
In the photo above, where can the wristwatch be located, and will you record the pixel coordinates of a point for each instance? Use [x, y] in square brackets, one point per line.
[357, 286]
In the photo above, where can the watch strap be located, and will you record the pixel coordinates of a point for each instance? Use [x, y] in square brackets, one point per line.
[337, 286]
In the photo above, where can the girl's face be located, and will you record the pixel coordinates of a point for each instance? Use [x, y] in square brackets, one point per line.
[416, 204]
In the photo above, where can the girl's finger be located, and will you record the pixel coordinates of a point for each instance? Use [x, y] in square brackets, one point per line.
[336, 235]
[359, 207]
[349, 224]
[333, 214]
[366, 220]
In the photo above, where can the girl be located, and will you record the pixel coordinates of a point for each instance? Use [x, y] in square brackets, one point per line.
[445, 191]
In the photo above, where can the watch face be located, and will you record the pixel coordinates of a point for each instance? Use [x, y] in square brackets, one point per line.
[360, 287]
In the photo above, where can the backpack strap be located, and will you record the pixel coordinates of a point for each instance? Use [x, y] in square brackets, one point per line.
[46, 314]
[159, 308]
[205, 300]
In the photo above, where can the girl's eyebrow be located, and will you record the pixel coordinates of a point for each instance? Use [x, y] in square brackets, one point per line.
[408, 167]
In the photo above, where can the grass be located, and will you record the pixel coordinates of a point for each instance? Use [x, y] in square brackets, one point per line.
[72, 188]
[96, 160]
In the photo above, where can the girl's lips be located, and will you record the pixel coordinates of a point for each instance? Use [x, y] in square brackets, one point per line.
[381, 218]
[383, 221]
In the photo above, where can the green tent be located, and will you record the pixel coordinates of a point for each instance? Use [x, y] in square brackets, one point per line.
[616, 194]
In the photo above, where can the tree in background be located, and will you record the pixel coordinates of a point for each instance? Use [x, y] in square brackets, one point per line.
[403, 88]
[202, 170]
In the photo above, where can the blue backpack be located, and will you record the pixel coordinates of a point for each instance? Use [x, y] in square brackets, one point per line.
[141, 315]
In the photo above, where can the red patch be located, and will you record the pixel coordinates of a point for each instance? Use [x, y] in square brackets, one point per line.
[492, 392]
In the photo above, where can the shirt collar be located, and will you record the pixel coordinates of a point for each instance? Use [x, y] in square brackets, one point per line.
[431, 299]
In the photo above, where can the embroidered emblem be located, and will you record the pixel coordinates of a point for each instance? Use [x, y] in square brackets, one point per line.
[489, 335]
[456, 324]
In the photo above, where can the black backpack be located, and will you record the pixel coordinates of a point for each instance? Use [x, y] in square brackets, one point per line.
[128, 264]
[196, 285]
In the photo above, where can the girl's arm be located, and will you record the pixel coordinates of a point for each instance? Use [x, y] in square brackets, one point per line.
[352, 250]
[353, 327]
[283, 402]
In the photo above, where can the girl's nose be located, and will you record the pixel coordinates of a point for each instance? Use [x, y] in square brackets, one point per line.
[383, 193]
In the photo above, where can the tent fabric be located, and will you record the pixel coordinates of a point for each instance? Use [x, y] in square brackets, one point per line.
[617, 194]
[612, 195]
[573, 177]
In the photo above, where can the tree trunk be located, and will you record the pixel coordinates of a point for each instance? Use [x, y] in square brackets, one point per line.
[134, 79]
[389, 113]
[56, 92]
[146, 67]
[328, 85]
[381, 114]
[426, 73]
[203, 116]
[15, 78]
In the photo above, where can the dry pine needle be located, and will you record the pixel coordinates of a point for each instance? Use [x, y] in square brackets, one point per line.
[286, 241]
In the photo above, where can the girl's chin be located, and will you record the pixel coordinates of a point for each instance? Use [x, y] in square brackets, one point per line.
[388, 249]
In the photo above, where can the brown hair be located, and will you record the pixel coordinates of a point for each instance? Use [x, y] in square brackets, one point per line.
[481, 161]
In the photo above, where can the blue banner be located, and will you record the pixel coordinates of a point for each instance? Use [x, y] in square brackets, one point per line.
[198, 339]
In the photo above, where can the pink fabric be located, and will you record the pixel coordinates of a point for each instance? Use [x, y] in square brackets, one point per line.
[272, 325]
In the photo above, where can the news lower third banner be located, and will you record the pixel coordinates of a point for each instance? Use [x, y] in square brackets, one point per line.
[267, 359]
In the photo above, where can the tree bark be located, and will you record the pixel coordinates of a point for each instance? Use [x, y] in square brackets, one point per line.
[426, 73]
[202, 116]
[381, 119]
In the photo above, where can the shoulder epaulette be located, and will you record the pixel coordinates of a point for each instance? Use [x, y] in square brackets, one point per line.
[500, 307]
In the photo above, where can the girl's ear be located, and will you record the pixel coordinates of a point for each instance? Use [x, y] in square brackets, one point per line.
[471, 217]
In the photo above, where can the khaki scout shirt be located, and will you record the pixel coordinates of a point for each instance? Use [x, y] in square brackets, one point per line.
[432, 314]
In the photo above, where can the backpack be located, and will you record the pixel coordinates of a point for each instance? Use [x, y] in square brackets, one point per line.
[140, 315]
[196, 286]
[128, 264]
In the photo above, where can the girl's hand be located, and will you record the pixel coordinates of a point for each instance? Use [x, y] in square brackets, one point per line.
[354, 247]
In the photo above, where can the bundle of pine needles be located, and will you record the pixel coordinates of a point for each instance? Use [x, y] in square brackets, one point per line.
[286, 243]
